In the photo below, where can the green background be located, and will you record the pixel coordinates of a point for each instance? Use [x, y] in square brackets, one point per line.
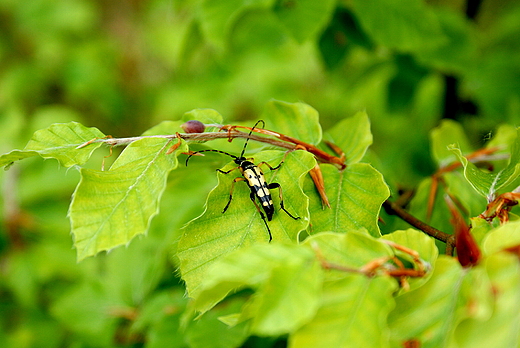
[124, 66]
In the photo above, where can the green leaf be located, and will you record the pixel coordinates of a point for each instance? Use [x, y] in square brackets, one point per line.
[288, 299]
[353, 136]
[457, 186]
[355, 194]
[405, 25]
[503, 137]
[447, 133]
[59, 141]
[502, 327]
[110, 207]
[480, 228]
[449, 296]
[418, 241]
[354, 249]
[502, 237]
[214, 234]
[488, 184]
[354, 307]
[304, 18]
[415, 240]
[353, 313]
[297, 120]
[286, 280]
[203, 115]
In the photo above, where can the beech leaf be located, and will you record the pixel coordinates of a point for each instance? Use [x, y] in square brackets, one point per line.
[486, 183]
[59, 141]
[355, 194]
[111, 207]
[215, 234]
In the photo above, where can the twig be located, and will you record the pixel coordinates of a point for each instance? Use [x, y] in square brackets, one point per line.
[320, 154]
[283, 141]
[189, 136]
[393, 209]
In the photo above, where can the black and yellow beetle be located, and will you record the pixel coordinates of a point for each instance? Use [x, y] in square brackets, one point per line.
[254, 178]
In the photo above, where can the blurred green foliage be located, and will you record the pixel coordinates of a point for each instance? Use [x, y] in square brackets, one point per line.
[124, 66]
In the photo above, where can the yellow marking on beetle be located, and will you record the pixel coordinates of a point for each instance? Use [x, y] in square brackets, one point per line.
[261, 179]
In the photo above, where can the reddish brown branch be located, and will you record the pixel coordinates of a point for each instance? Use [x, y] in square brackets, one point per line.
[320, 154]
[393, 209]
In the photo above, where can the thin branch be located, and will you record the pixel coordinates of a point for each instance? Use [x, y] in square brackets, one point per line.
[393, 209]
[191, 136]
[320, 154]
[284, 142]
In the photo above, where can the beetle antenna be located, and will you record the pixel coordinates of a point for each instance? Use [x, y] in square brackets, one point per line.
[212, 150]
[250, 132]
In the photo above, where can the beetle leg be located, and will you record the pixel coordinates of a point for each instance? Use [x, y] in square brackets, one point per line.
[253, 199]
[229, 171]
[268, 165]
[231, 191]
[279, 164]
[274, 185]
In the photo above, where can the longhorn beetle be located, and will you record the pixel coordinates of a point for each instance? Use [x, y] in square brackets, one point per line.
[254, 178]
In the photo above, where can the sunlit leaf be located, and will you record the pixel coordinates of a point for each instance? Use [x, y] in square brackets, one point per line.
[353, 313]
[288, 299]
[59, 141]
[457, 186]
[286, 280]
[420, 242]
[488, 183]
[501, 328]
[503, 137]
[502, 237]
[354, 307]
[353, 136]
[353, 249]
[447, 133]
[203, 115]
[297, 120]
[449, 296]
[417, 241]
[355, 194]
[110, 207]
[215, 234]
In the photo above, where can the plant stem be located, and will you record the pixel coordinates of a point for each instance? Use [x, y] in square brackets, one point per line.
[394, 209]
[206, 136]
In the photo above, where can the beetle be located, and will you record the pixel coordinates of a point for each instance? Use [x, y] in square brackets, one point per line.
[255, 180]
